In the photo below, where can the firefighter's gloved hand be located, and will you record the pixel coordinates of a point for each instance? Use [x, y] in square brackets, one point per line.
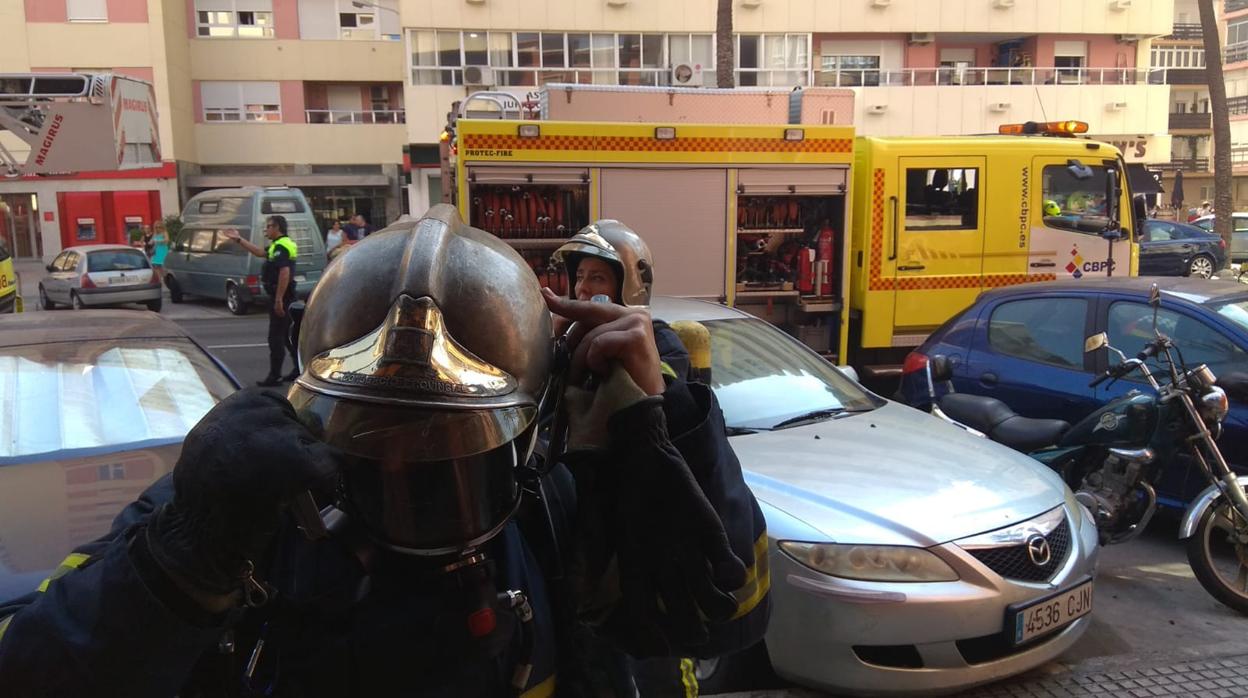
[240, 465]
[589, 410]
[677, 568]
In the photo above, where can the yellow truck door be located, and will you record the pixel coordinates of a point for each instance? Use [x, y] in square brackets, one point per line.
[1068, 214]
[938, 238]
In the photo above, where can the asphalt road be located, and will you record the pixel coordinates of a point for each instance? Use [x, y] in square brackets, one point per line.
[1148, 607]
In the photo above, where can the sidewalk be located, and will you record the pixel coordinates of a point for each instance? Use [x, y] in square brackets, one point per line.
[29, 272]
[1211, 677]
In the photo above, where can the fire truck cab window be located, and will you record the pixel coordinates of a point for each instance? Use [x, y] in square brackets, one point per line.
[1074, 204]
[945, 198]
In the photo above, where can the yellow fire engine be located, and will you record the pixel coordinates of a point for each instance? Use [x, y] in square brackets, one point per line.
[859, 246]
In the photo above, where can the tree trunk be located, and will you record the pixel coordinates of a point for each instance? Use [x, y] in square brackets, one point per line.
[725, 73]
[1222, 178]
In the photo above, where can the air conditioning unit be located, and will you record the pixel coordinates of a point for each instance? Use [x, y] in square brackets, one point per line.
[922, 38]
[1002, 3]
[1132, 38]
[877, 108]
[751, 4]
[881, 3]
[999, 106]
[1115, 106]
[687, 75]
[478, 75]
[617, 3]
[1120, 5]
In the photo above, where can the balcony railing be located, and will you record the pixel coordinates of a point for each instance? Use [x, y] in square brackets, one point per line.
[1178, 76]
[1235, 54]
[1185, 164]
[345, 116]
[1187, 120]
[1186, 32]
[990, 76]
[1239, 157]
[1237, 105]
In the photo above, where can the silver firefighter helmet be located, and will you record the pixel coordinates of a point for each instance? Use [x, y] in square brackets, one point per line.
[616, 244]
[427, 349]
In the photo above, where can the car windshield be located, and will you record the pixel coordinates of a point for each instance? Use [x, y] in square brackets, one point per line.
[116, 260]
[764, 377]
[102, 394]
[1235, 311]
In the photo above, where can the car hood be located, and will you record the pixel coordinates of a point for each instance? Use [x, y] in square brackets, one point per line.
[894, 476]
[49, 507]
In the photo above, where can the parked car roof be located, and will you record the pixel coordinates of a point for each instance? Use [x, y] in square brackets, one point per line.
[1195, 290]
[44, 328]
[692, 309]
[97, 248]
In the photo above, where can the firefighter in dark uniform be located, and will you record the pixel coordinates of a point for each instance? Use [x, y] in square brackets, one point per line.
[278, 279]
[428, 355]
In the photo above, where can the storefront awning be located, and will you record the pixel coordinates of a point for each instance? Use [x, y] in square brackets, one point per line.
[1142, 180]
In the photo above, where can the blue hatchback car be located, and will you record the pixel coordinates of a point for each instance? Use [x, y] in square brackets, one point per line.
[1024, 346]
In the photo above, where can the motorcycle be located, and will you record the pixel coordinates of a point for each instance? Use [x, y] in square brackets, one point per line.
[1112, 457]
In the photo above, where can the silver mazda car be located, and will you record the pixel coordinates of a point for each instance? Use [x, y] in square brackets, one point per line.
[907, 556]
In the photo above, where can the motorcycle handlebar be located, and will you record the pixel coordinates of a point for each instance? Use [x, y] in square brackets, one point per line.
[1099, 379]
[1149, 351]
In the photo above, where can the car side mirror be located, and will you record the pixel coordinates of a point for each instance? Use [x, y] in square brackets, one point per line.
[1140, 205]
[1095, 342]
[942, 368]
[49, 267]
[1235, 385]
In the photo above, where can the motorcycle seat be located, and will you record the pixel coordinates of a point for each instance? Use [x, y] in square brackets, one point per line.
[1001, 424]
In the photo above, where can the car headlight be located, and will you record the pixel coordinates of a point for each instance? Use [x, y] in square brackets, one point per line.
[1214, 405]
[874, 563]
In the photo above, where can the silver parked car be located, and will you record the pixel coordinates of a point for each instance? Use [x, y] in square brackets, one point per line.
[907, 556]
[95, 275]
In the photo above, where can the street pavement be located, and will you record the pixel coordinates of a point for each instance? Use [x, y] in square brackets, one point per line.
[1154, 630]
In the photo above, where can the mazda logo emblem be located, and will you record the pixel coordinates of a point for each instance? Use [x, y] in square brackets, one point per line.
[1038, 550]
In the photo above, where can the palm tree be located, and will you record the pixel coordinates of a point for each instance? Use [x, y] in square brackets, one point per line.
[724, 73]
[1222, 178]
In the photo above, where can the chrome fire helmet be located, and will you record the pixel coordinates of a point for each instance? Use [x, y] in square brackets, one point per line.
[427, 351]
[617, 244]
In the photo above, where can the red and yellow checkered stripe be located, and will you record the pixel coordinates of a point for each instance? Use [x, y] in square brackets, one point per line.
[877, 282]
[696, 144]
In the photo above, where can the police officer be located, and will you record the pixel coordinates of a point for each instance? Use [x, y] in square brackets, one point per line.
[278, 278]
[428, 353]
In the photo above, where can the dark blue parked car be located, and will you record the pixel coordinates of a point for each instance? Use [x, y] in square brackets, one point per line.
[1177, 249]
[1024, 346]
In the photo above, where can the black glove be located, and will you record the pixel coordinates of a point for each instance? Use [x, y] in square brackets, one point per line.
[239, 465]
[677, 569]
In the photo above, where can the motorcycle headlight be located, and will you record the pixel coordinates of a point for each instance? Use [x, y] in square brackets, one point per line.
[873, 563]
[1214, 405]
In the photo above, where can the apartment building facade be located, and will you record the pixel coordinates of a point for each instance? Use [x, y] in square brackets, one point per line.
[304, 93]
[326, 94]
[918, 67]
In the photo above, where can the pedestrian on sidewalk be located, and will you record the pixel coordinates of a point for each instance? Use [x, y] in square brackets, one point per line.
[278, 278]
[160, 248]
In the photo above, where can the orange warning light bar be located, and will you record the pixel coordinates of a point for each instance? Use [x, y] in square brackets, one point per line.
[1044, 128]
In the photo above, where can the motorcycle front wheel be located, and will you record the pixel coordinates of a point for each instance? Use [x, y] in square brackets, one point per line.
[1218, 554]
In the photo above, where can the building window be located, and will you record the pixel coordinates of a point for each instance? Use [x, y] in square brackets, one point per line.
[773, 59]
[1177, 57]
[534, 58]
[246, 19]
[849, 71]
[357, 25]
[238, 102]
[1237, 33]
[87, 10]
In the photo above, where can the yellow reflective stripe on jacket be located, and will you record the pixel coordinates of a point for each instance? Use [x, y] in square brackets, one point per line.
[688, 680]
[4, 625]
[544, 689]
[73, 562]
[667, 370]
[285, 242]
[757, 580]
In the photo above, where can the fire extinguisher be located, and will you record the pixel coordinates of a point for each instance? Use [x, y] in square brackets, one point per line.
[806, 270]
[825, 247]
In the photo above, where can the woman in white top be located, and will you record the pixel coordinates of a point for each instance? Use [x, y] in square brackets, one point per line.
[334, 238]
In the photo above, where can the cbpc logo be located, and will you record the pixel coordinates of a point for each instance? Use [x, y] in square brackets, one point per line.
[1076, 262]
